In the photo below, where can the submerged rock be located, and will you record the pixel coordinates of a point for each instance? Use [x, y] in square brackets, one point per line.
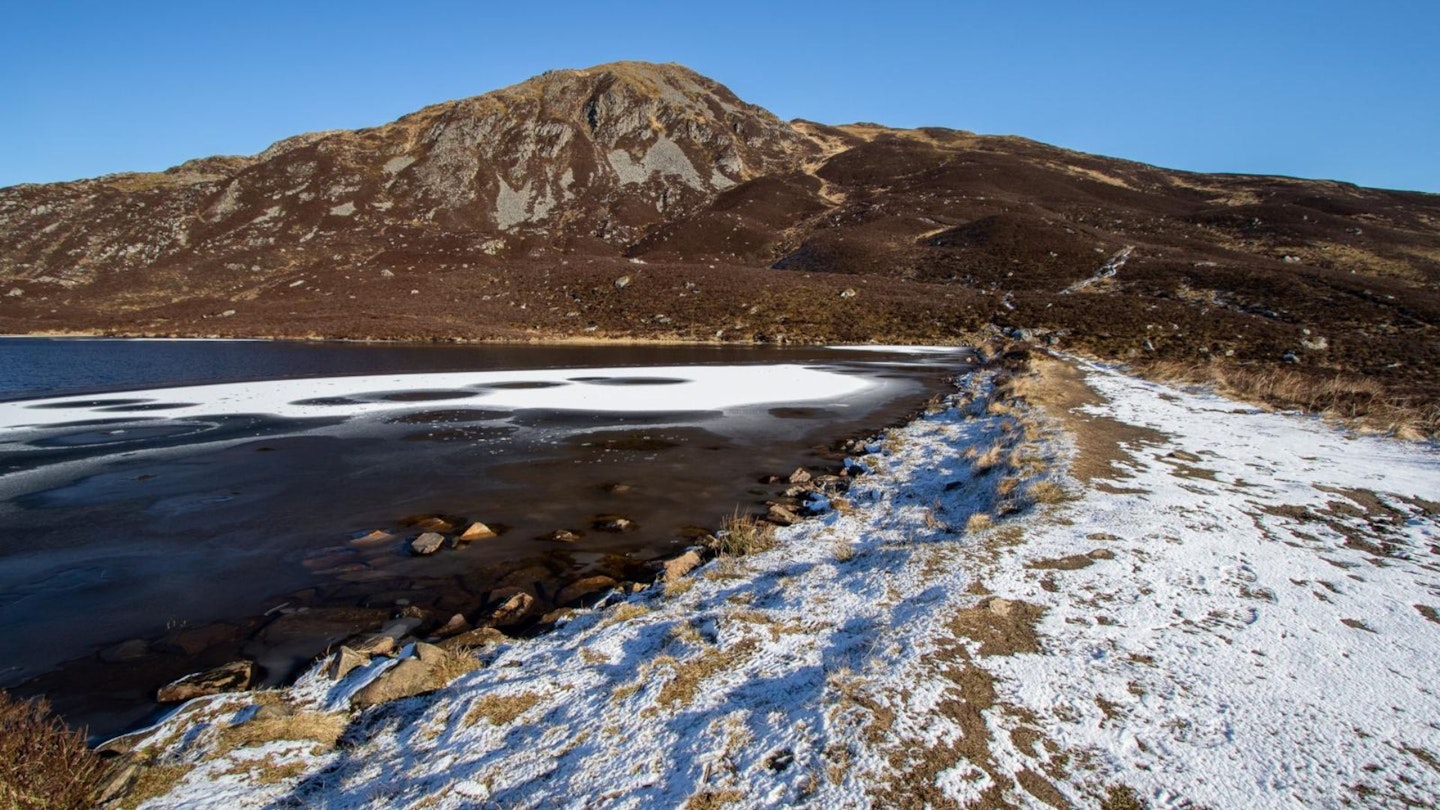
[613, 523]
[515, 609]
[581, 588]
[125, 651]
[476, 531]
[233, 677]
[427, 544]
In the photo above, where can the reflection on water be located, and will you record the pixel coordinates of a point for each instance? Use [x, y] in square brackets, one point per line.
[121, 528]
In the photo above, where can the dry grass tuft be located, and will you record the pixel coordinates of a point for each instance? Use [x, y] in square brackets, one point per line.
[988, 459]
[1007, 486]
[151, 781]
[844, 551]
[500, 710]
[678, 587]
[43, 763]
[319, 727]
[743, 534]
[457, 663]
[691, 673]
[626, 611]
[978, 522]
[1048, 492]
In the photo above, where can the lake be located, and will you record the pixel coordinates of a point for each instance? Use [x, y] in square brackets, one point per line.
[171, 505]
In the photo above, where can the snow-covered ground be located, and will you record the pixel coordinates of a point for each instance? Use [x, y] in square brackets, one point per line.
[1241, 611]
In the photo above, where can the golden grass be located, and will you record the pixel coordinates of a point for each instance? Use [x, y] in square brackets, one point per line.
[978, 522]
[626, 611]
[678, 587]
[318, 727]
[988, 459]
[43, 763]
[1048, 492]
[457, 663]
[151, 781]
[691, 673]
[844, 551]
[1346, 397]
[743, 534]
[501, 710]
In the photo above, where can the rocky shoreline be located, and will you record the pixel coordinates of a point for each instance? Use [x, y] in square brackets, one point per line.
[528, 601]
[413, 651]
[370, 613]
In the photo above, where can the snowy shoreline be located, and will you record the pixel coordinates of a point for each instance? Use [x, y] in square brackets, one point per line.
[1239, 611]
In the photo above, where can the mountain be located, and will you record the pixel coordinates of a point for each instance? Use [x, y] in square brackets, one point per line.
[641, 200]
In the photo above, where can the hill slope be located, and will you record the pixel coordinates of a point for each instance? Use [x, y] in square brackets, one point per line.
[646, 201]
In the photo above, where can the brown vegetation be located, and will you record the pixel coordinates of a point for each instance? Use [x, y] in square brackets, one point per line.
[1348, 397]
[43, 763]
[743, 534]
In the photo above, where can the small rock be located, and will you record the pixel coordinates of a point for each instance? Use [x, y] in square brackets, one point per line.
[771, 479]
[430, 523]
[427, 544]
[429, 653]
[622, 282]
[1183, 455]
[117, 779]
[474, 639]
[816, 504]
[1001, 607]
[561, 536]
[512, 611]
[195, 640]
[848, 292]
[125, 651]
[343, 662]
[581, 588]
[378, 644]
[800, 476]
[476, 531]
[406, 679]
[232, 677]
[780, 760]
[373, 539]
[613, 523]
[454, 627]
[781, 516]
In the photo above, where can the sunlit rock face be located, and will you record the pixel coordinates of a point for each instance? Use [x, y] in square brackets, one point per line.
[571, 155]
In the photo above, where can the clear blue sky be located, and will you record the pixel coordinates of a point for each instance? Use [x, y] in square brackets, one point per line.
[1341, 90]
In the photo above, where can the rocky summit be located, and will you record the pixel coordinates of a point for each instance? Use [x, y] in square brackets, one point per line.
[635, 200]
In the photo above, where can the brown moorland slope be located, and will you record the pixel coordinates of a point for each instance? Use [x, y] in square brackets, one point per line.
[645, 201]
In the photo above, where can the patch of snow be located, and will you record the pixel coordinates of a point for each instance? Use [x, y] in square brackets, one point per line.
[1228, 621]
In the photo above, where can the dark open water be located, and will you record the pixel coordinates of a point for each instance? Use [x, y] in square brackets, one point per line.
[134, 515]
